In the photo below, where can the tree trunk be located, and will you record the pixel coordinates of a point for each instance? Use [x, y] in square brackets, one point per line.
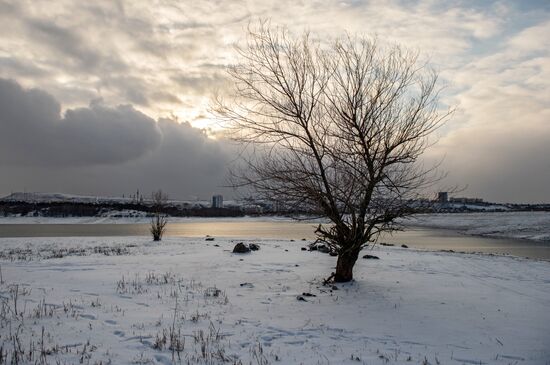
[344, 266]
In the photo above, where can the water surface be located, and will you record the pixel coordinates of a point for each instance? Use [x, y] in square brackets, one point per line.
[425, 238]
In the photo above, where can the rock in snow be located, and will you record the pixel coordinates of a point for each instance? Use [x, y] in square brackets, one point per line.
[241, 248]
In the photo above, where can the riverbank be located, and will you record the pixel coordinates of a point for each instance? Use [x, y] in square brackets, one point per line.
[533, 226]
[275, 228]
[121, 299]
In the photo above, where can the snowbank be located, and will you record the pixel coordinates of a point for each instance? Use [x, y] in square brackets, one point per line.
[127, 300]
[523, 225]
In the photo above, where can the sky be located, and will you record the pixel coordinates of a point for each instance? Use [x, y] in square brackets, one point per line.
[106, 97]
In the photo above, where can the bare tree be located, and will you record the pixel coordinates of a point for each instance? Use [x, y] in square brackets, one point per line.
[159, 220]
[335, 126]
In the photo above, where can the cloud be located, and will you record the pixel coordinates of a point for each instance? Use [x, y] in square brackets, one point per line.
[65, 41]
[21, 66]
[101, 149]
[128, 51]
[500, 142]
[166, 60]
[35, 133]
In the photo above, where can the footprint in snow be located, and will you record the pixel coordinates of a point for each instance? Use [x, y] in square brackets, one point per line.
[510, 357]
[110, 321]
[89, 316]
[163, 359]
[468, 361]
[297, 342]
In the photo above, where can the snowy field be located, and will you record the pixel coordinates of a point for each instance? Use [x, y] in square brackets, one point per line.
[523, 225]
[127, 300]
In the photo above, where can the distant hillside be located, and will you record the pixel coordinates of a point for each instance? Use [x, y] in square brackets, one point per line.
[59, 197]
[67, 205]
[37, 197]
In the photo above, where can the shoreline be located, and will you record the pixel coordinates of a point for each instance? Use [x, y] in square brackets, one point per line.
[525, 226]
[424, 236]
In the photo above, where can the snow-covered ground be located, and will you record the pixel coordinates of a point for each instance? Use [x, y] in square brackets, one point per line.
[127, 300]
[486, 207]
[524, 225]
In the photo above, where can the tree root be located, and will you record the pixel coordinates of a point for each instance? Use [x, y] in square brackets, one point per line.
[329, 280]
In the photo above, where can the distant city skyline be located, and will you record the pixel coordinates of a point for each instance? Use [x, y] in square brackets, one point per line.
[103, 98]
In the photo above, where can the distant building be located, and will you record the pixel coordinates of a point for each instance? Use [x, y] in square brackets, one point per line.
[217, 201]
[443, 197]
[278, 206]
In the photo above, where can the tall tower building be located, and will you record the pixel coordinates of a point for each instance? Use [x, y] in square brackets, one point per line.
[217, 201]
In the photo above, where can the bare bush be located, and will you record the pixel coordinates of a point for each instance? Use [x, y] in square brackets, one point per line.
[159, 220]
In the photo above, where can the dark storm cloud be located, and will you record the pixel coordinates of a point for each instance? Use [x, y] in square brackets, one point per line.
[186, 165]
[34, 132]
[102, 150]
[186, 161]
